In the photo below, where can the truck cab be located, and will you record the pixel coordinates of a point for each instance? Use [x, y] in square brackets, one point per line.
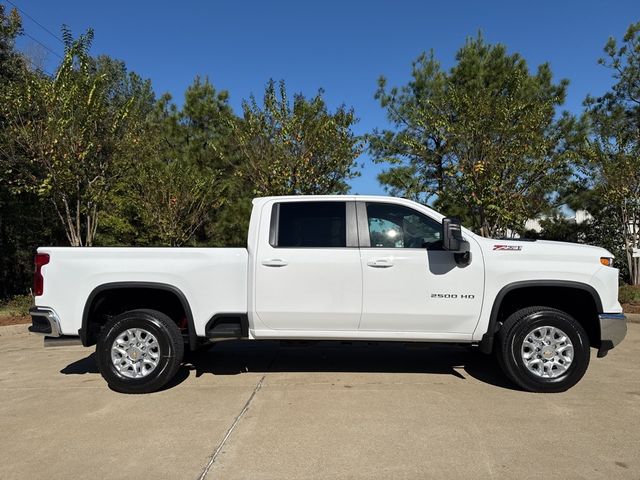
[376, 268]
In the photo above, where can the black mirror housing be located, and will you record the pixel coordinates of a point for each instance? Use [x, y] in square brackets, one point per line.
[453, 241]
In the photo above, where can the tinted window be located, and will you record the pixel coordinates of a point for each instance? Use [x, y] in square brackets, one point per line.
[395, 226]
[312, 224]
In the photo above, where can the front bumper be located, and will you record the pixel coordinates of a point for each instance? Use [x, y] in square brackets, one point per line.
[613, 329]
[45, 321]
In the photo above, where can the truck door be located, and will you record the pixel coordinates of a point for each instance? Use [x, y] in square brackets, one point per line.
[409, 283]
[308, 275]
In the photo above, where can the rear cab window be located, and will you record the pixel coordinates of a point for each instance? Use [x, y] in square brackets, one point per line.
[321, 224]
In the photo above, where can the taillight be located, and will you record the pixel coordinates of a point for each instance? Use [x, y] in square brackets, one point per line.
[38, 280]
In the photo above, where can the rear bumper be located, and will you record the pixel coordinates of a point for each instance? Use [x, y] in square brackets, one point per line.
[45, 321]
[613, 329]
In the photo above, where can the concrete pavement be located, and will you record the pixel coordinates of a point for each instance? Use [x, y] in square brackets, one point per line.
[264, 410]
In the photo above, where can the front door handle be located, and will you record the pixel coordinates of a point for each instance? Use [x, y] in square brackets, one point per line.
[380, 263]
[274, 262]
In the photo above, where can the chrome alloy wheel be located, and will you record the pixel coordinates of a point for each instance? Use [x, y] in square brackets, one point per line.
[135, 353]
[547, 352]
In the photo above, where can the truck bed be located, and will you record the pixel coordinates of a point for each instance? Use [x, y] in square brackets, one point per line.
[213, 280]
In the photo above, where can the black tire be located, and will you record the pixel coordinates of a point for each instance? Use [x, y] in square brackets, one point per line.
[169, 340]
[510, 341]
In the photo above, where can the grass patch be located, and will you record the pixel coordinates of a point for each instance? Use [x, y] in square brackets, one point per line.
[629, 294]
[17, 306]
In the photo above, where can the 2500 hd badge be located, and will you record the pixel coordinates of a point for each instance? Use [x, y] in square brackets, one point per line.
[469, 296]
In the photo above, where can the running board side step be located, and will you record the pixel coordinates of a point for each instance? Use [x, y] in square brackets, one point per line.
[62, 341]
[227, 326]
[224, 331]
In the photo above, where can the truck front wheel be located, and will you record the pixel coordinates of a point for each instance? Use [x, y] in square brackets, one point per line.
[139, 351]
[542, 349]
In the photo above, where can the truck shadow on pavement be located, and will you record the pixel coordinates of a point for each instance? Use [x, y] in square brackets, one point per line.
[238, 357]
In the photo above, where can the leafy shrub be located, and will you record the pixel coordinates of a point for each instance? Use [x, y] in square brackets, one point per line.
[17, 306]
[629, 294]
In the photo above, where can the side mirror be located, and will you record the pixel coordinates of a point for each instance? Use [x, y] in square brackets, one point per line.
[453, 241]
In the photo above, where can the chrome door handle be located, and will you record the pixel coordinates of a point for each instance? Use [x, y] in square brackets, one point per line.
[274, 262]
[380, 263]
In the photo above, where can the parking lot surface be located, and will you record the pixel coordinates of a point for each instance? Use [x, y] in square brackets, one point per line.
[265, 410]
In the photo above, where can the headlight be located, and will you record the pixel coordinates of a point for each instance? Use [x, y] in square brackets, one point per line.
[606, 261]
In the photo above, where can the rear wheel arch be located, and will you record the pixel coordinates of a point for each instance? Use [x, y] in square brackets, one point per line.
[102, 293]
[551, 293]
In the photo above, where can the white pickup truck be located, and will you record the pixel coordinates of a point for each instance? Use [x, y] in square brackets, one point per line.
[335, 268]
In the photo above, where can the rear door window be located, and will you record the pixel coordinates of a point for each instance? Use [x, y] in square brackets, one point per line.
[310, 224]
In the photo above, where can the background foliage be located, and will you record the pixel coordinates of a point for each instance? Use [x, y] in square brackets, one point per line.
[481, 139]
[92, 156]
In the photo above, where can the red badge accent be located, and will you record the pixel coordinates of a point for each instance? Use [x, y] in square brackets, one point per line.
[512, 248]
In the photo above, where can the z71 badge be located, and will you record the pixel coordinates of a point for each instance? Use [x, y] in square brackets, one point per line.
[508, 247]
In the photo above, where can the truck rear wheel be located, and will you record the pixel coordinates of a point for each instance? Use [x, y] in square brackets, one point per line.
[139, 351]
[542, 349]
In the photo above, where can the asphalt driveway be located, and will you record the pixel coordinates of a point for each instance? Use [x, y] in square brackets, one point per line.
[272, 411]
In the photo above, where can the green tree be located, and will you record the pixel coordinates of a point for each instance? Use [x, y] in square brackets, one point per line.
[24, 221]
[190, 164]
[175, 193]
[295, 148]
[198, 135]
[120, 221]
[479, 140]
[12, 64]
[613, 148]
[74, 137]
[416, 149]
[183, 183]
[176, 198]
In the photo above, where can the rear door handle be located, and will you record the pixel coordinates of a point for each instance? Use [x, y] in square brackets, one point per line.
[274, 262]
[380, 263]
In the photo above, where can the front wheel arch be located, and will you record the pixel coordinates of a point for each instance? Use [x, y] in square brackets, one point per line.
[577, 299]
